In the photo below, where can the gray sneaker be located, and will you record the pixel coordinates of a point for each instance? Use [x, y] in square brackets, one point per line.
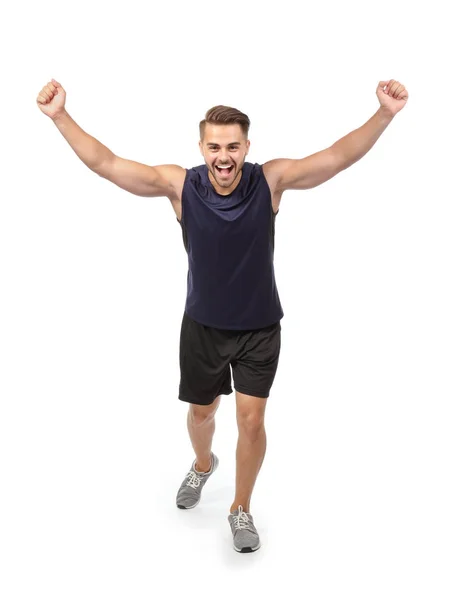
[189, 493]
[245, 536]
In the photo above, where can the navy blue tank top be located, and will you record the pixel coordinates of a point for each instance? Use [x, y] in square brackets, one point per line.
[230, 246]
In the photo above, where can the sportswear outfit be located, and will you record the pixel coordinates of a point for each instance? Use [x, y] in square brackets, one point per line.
[231, 323]
[232, 311]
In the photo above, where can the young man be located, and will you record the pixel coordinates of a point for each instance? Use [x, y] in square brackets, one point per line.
[226, 208]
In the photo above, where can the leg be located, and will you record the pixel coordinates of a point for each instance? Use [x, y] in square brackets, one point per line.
[251, 447]
[204, 375]
[201, 427]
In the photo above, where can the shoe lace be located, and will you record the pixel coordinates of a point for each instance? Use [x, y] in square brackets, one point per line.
[241, 520]
[193, 480]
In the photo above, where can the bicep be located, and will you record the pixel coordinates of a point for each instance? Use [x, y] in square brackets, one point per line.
[141, 179]
[304, 173]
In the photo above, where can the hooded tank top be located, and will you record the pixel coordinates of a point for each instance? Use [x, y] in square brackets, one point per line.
[230, 245]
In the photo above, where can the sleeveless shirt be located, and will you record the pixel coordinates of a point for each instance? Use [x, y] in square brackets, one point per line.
[230, 245]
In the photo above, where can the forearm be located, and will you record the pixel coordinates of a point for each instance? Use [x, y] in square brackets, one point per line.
[86, 147]
[356, 144]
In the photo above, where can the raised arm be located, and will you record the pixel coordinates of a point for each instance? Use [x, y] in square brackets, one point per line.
[288, 174]
[136, 178]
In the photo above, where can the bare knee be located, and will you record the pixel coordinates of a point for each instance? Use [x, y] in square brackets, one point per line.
[202, 415]
[251, 425]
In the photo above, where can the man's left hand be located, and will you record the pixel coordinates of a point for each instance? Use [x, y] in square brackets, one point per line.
[392, 95]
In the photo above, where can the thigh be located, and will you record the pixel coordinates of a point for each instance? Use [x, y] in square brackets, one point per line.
[255, 364]
[204, 363]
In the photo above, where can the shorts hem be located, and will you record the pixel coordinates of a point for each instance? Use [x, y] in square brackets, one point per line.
[250, 392]
[184, 398]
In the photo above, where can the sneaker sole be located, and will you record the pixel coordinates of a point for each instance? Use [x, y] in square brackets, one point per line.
[188, 507]
[246, 549]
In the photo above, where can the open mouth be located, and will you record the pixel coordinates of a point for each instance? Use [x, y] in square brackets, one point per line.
[224, 171]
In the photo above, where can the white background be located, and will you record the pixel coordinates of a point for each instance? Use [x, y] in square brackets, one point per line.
[353, 498]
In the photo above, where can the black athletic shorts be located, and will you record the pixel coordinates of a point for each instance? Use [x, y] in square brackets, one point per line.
[207, 355]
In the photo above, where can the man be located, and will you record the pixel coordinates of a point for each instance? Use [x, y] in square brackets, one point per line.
[226, 208]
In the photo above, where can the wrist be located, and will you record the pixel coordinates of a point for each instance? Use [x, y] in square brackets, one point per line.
[385, 114]
[59, 116]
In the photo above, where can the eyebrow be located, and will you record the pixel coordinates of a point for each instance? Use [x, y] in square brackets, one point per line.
[231, 144]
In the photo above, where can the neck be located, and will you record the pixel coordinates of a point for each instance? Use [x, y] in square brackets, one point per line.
[225, 191]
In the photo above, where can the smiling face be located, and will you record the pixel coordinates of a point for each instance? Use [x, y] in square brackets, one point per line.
[224, 148]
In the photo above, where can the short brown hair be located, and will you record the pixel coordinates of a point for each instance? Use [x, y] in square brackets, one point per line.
[225, 115]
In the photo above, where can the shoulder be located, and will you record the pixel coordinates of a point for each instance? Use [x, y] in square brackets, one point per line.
[252, 167]
[196, 173]
[252, 171]
[273, 170]
[253, 179]
[196, 180]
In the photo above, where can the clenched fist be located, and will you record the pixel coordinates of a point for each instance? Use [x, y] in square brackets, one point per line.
[51, 99]
[392, 96]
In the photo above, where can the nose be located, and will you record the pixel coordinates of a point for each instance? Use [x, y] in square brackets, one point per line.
[223, 156]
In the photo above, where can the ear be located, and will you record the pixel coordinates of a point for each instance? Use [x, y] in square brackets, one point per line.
[200, 148]
[248, 144]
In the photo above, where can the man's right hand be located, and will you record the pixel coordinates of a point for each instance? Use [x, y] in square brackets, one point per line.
[135, 177]
[51, 99]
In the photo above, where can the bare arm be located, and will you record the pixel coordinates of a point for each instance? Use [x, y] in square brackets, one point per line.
[287, 174]
[136, 178]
